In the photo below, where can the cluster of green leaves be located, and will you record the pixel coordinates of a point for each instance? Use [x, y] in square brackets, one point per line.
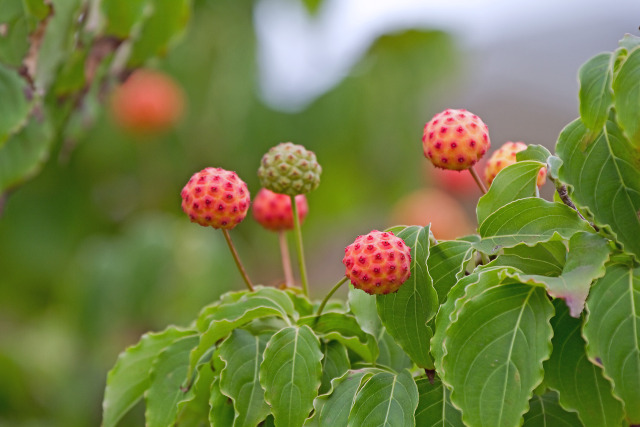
[533, 321]
[57, 61]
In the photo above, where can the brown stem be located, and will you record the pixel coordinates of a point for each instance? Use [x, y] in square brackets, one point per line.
[564, 196]
[431, 375]
[477, 179]
[286, 259]
[236, 258]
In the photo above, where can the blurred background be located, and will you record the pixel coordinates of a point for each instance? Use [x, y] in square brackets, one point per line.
[95, 250]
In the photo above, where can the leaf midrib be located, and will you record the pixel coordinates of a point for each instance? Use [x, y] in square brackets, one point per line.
[513, 339]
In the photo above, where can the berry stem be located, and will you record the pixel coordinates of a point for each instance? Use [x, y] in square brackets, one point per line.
[331, 292]
[474, 174]
[298, 232]
[286, 260]
[236, 258]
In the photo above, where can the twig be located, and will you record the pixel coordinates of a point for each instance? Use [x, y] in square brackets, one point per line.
[236, 258]
[564, 196]
[300, 249]
[474, 174]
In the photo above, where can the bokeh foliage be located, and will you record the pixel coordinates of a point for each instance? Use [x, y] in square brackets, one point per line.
[94, 249]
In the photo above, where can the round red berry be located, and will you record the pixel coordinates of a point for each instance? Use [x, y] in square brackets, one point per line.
[216, 197]
[455, 139]
[147, 102]
[273, 210]
[378, 262]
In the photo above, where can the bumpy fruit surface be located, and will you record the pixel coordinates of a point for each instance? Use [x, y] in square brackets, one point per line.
[289, 169]
[505, 156]
[273, 211]
[378, 262]
[147, 102]
[455, 139]
[216, 197]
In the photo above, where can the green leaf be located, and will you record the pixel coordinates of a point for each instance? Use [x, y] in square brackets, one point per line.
[627, 97]
[129, 378]
[434, 407]
[587, 255]
[226, 317]
[363, 307]
[446, 264]
[24, 154]
[334, 363]
[122, 15]
[596, 94]
[545, 411]
[553, 168]
[242, 356]
[221, 413]
[332, 409]
[14, 107]
[612, 332]
[494, 352]
[536, 152]
[544, 259]
[385, 400]
[344, 328]
[291, 373]
[406, 312]
[514, 182]
[167, 374]
[166, 20]
[569, 372]
[447, 314]
[206, 313]
[59, 43]
[605, 173]
[391, 354]
[530, 220]
[629, 42]
[194, 409]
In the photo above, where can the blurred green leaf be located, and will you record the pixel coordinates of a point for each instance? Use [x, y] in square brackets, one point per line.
[514, 182]
[291, 373]
[385, 400]
[612, 333]
[129, 378]
[167, 19]
[570, 373]
[122, 15]
[604, 172]
[242, 356]
[405, 313]
[193, 409]
[312, 5]
[434, 407]
[14, 107]
[391, 354]
[495, 349]
[596, 94]
[363, 307]
[546, 411]
[25, 153]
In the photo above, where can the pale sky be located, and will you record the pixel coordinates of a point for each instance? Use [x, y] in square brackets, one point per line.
[302, 56]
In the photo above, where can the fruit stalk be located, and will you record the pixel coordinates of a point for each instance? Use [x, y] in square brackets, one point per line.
[329, 295]
[477, 179]
[286, 260]
[299, 248]
[236, 258]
